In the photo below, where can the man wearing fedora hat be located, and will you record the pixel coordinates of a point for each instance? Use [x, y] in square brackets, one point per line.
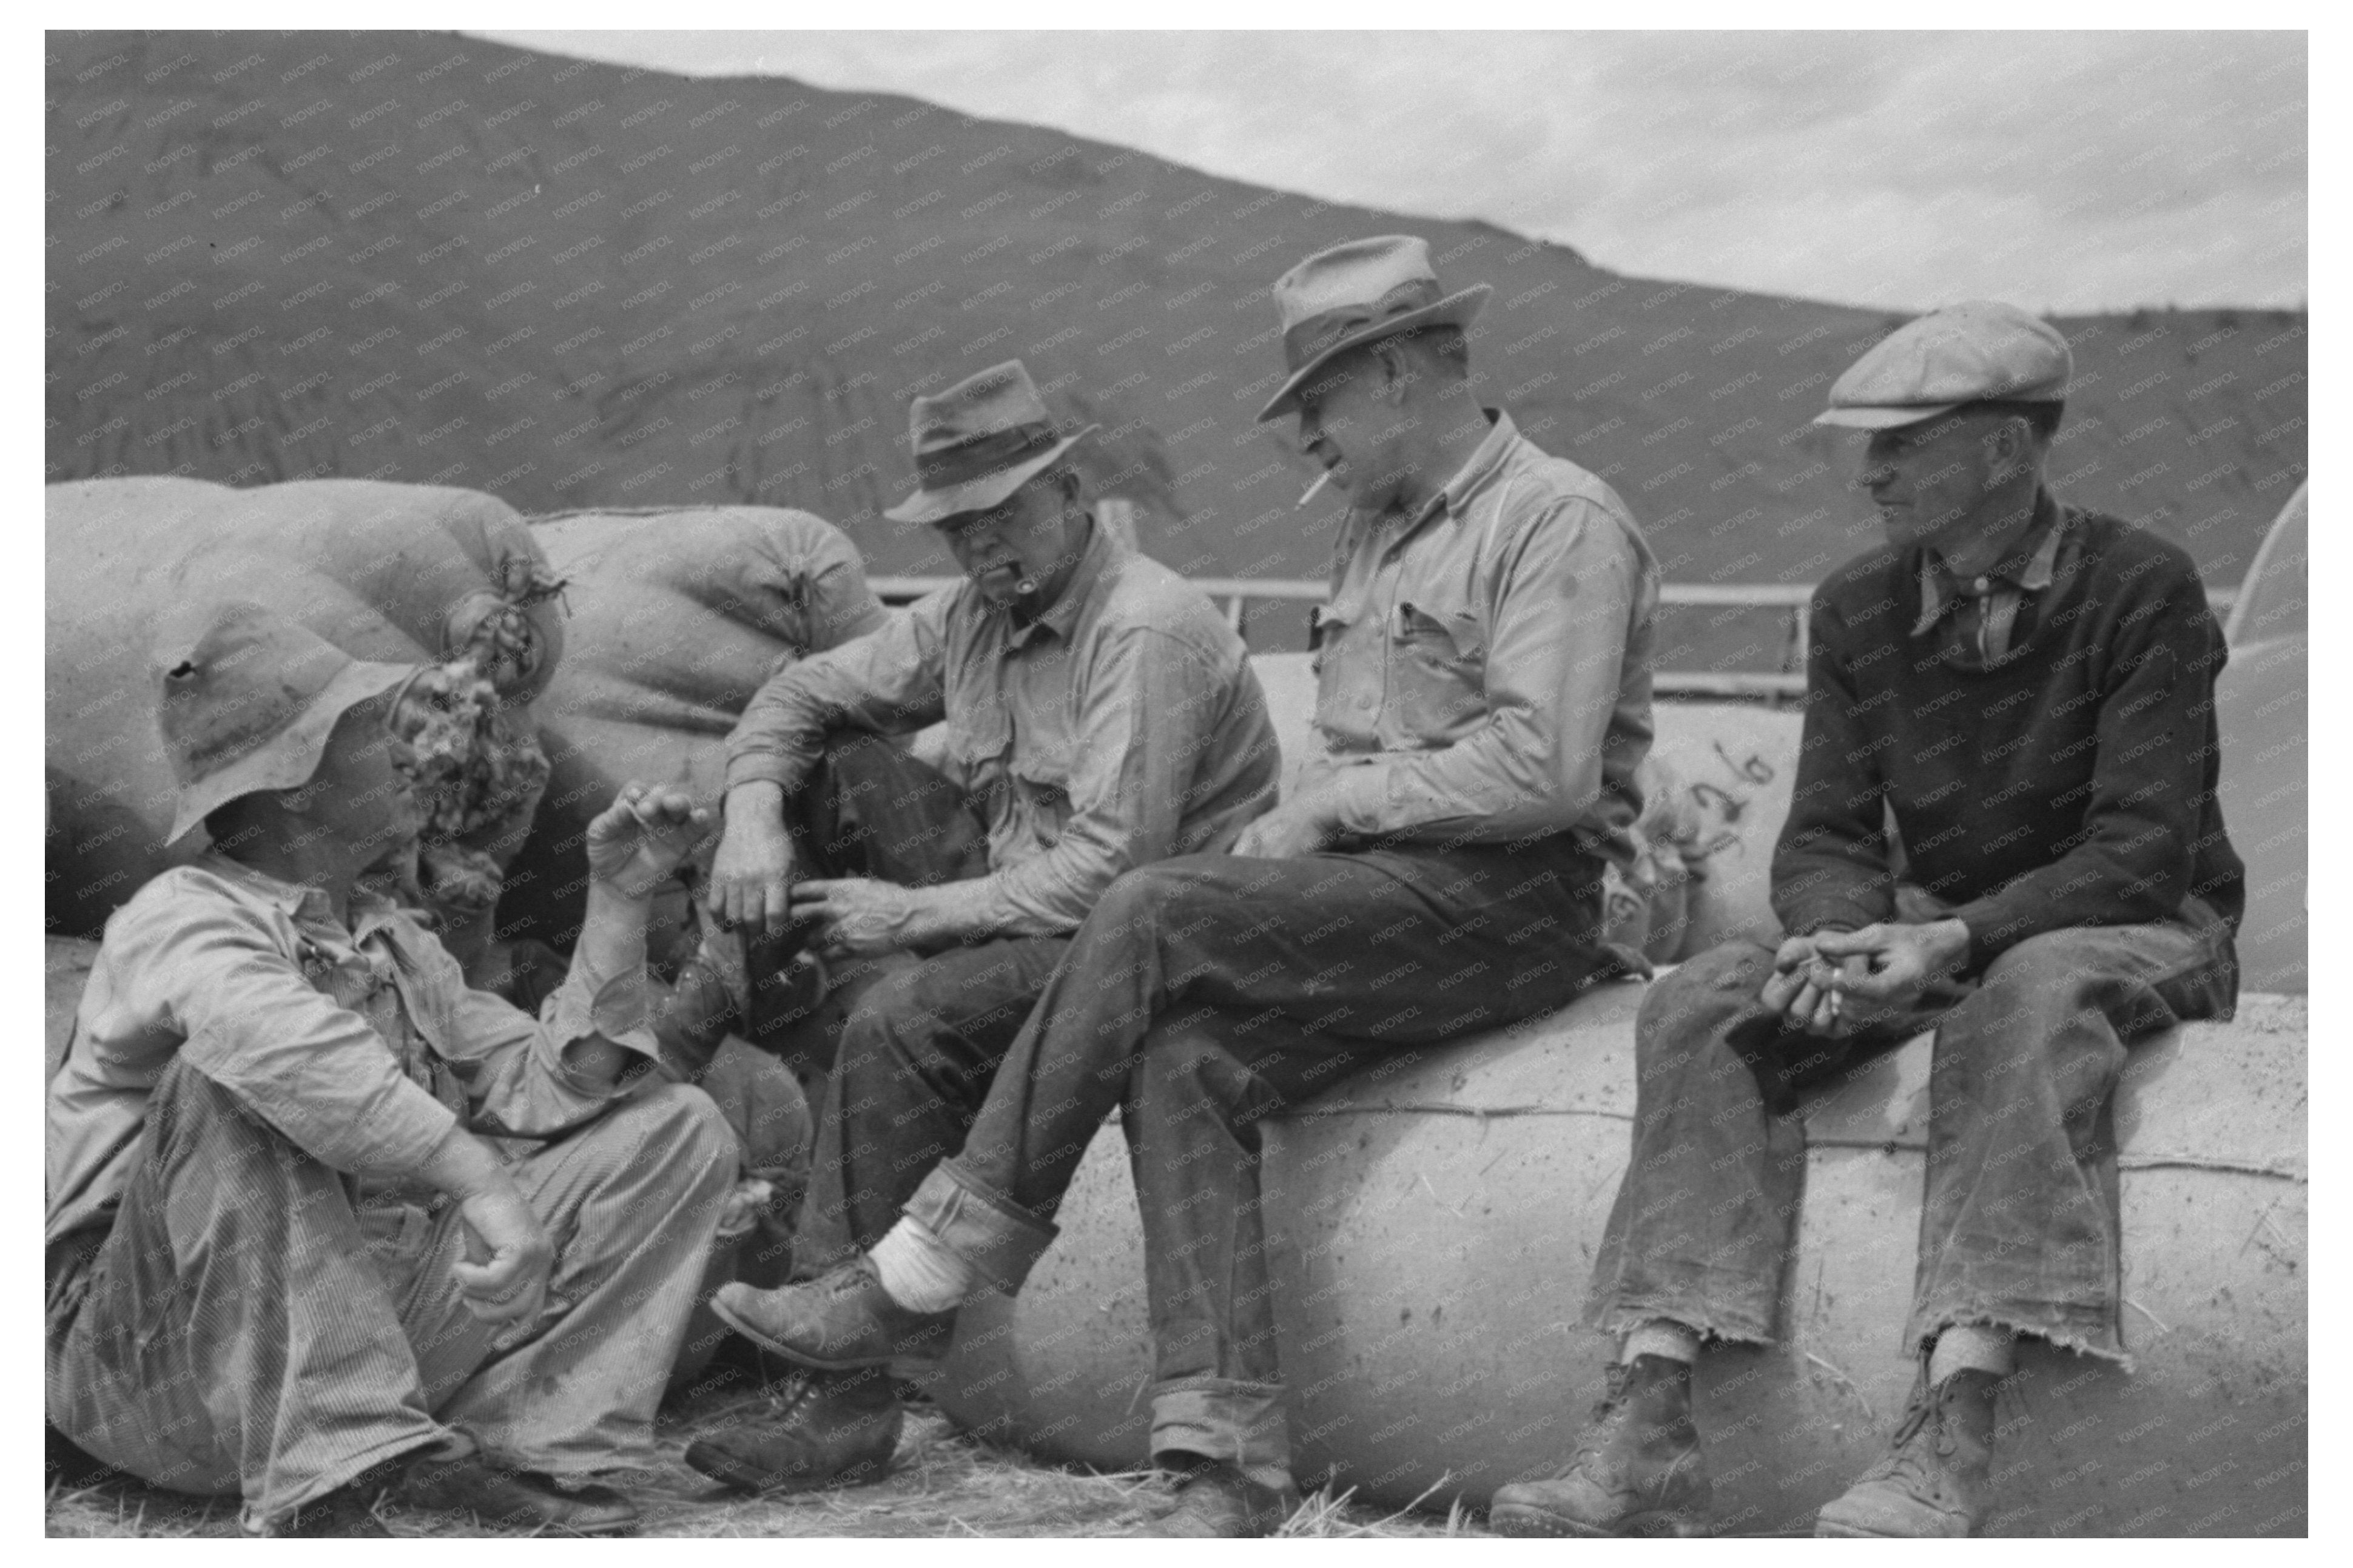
[315, 1206]
[1100, 716]
[1484, 699]
[2025, 690]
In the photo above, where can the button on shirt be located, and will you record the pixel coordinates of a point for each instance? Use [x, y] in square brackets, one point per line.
[1483, 666]
[1992, 613]
[1122, 726]
[363, 1047]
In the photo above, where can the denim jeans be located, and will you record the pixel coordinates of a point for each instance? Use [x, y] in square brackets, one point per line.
[2019, 1222]
[1204, 993]
[924, 1035]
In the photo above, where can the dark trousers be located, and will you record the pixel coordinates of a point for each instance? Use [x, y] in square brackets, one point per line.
[2019, 1223]
[1204, 993]
[243, 1327]
[924, 1035]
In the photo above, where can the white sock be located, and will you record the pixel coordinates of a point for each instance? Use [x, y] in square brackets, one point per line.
[1661, 1336]
[917, 1270]
[1972, 1347]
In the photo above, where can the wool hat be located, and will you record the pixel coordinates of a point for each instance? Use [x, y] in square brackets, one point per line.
[978, 442]
[1977, 351]
[247, 699]
[1354, 293]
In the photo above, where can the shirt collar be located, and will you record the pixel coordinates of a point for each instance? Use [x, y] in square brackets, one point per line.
[293, 897]
[1485, 461]
[299, 901]
[2028, 566]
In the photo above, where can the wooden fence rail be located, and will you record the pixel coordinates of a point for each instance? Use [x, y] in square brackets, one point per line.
[1784, 685]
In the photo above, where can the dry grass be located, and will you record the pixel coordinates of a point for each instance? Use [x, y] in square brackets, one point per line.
[942, 1483]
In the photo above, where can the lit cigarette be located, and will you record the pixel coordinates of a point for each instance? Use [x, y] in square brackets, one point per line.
[1322, 480]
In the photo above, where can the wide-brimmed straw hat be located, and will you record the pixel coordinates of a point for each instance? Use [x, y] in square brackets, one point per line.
[1354, 293]
[247, 699]
[978, 442]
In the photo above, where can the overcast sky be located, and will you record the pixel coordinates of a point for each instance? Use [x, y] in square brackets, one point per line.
[2064, 170]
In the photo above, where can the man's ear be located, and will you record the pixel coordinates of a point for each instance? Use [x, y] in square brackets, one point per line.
[2013, 444]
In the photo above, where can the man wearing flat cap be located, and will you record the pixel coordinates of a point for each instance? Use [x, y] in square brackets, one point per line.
[1100, 716]
[1485, 700]
[2024, 692]
[317, 1210]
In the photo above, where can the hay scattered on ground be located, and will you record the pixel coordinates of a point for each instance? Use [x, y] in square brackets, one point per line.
[942, 1482]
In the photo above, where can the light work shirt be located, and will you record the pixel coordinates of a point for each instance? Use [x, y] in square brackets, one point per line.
[363, 1047]
[1483, 666]
[1122, 726]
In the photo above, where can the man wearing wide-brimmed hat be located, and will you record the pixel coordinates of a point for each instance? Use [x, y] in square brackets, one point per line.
[314, 1207]
[1485, 700]
[2024, 692]
[1100, 716]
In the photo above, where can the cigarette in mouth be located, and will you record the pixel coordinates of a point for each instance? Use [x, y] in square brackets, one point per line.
[1323, 480]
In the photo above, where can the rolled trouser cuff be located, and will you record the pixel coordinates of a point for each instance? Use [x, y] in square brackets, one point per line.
[1239, 1424]
[1000, 1238]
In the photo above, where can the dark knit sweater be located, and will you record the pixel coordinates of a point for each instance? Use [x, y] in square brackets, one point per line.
[2071, 784]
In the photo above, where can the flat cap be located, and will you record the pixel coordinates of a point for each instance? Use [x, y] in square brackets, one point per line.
[1970, 353]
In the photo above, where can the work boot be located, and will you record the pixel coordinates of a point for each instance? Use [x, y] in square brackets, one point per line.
[827, 1429]
[839, 1321]
[510, 1498]
[1932, 1479]
[1638, 1468]
[1216, 1501]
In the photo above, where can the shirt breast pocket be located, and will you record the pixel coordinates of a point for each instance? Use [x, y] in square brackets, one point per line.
[1045, 786]
[1441, 672]
[979, 733]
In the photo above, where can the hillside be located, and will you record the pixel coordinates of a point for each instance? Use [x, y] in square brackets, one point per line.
[434, 259]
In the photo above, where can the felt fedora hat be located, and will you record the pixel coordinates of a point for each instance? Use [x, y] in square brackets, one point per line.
[1976, 352]
[978, 442]
[246, 700]
[1354, 293]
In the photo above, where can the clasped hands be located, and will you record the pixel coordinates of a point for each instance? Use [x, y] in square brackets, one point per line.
[1301, 825]
[1830, 981]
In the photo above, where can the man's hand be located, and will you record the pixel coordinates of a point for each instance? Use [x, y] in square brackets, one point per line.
[1890, 964]
[752, 875]
[1298, 826]
[510, 1284]
[856, 914]
[1805, 985]
[636, 842]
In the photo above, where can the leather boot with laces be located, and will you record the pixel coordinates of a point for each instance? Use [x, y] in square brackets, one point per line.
[839, 1321]
[824, 1429]
[1216, 1501]
[1932, 1479]
[1638, 1468]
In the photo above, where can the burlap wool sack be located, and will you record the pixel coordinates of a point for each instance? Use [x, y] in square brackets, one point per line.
[676, 618]
[402, 573]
